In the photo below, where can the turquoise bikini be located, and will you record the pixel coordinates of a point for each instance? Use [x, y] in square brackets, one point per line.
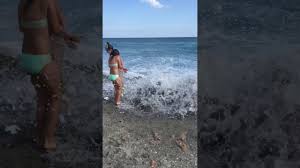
[35, 24]
[113, 77]
[113, 65]
[34, 63]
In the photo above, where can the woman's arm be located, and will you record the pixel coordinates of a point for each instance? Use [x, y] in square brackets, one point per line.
[121, 65]
[52, 16]
[59, 14]
[58, 26]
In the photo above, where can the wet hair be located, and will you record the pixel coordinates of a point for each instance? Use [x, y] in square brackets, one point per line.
[115, 52]
[108, 46]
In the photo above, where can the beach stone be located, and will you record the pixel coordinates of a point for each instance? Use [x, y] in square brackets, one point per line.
[12, 129]
[268, 148]
[286, 164]
[218, 115]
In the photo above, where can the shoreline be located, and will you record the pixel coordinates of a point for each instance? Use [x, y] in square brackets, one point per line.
[129, 141]
[191, 116]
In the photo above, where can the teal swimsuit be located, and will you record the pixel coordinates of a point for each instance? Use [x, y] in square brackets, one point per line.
[35, 24]
[34, 63]
[113, 77]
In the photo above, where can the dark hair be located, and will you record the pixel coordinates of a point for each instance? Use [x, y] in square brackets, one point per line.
[115, 52]
[109, 46]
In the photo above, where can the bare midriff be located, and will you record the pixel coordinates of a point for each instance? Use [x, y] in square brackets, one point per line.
[114, 70]
[36, 41]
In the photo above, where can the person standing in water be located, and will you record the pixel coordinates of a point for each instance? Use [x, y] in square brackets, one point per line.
[116, 66]
[37, 20]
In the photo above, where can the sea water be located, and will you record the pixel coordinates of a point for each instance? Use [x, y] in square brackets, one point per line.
[161, 77]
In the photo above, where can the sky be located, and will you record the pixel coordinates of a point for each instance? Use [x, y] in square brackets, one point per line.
[149, 18]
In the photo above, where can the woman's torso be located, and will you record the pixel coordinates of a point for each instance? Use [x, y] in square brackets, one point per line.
[35, 40]
[113, 65]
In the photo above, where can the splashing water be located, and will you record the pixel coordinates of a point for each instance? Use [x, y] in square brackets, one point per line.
[162, 76]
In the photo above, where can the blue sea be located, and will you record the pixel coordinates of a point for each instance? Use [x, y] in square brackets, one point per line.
[162, 74]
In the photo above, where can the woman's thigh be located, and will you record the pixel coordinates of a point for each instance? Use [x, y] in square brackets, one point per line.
[40, 86]
[51, 77]
[118, 83]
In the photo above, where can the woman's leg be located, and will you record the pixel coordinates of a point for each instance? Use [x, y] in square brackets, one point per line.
[51, 74]
[122, 84]
[118, 90]
[42, 101]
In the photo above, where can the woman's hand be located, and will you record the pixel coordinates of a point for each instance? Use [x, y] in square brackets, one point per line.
[71, 40]
[125, 70]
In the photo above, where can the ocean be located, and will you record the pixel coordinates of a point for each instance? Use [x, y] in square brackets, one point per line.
[162, 75]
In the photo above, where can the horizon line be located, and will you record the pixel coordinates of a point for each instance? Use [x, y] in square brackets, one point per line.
[155, 37]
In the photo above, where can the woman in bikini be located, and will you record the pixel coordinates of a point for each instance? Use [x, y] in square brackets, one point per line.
[116, 66]
[37, 20]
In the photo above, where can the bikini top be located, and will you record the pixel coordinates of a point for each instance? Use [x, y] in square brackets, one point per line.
[113, 65]
[35, 24]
